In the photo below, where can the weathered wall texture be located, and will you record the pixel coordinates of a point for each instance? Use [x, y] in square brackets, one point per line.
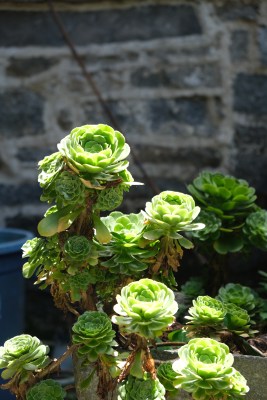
[186, 80]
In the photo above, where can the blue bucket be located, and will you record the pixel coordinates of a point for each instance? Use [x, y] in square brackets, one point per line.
[11, 287]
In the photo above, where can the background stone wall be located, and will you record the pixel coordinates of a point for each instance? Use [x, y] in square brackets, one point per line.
[186, 80]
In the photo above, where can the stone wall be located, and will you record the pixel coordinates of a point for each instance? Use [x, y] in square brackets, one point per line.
[186, 81]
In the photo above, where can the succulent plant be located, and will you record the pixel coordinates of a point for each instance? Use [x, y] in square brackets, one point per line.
[96, 152]
[79, 249]
[205, 369]
[69, 189]
[206, 311]
[212, 223]
[93, 332]
[236, 318]
[145, 307]
[22, 354]
[171, 212]
[109, 199]
[255, 229]
[166, 376]
[50, 168]
[224, 195]
[141, 389]
[193, 287]
[46, 390]
[125, 254]
[238, 294]
[78, 283]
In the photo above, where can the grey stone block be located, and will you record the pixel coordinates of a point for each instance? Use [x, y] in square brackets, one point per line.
[250, 94]
[251, 139]
[102, 26]
[21, 113]
[239, 45]
[180, 77]
[263, 44]
[13, 195]
[25, 67]
[231, 10]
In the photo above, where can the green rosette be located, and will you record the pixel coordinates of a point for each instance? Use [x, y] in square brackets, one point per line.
[22, 354]
[255, 229]
[96, 152]
[47, 389]
[240, 295]
[167, 376]
[205, 369]
[109, 199]
[225, 195]
[141, 389]
[206, 311]
[211, 231]
[69, 189]
[236, 318]
[93, 332]
[145, 307]
[125, 253]
[78, 249]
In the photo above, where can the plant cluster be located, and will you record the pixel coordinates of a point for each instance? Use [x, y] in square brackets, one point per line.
[115, 273]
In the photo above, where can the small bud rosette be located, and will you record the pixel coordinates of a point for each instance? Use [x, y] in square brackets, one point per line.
[206, 311]
[125, 255]
[171, 212]
[166, 376]
[238, 294]
[78, 249]
[145, 307]
[22, 354]
[95, 152]
[141, 389]
[46, 390]
[93, 332]
[205, 369]
[212, 224]
[255, 229]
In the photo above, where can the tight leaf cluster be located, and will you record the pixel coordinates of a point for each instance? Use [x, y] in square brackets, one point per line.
[47, 389]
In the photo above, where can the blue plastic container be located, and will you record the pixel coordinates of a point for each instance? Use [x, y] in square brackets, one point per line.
[11, 287]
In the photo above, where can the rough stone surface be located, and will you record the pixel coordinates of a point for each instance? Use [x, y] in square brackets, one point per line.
[232, 10]
[263, 44]
[25, 67]
[103, 26]
[21, 113]
[239, 45]
[250, 94]
[20, 194]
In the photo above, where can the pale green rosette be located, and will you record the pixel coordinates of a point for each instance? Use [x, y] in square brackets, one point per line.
[206, 311]
[50, 168]
[93, 332]
[169, 213]
[22, 354]
[141, 389]
[205, 369]
[238, 294]
[255, 229]
[236, 318]
[145, 307]
[96, 152]
[124, 253]
[46, 390]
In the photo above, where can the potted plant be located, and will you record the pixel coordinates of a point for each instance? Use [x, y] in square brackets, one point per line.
[115, 274]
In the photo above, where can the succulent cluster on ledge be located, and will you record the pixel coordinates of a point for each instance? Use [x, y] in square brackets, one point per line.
[115, 274]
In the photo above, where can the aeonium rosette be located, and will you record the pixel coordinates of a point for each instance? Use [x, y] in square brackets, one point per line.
[145, 307]
[47, 389]
[169, 213]
[95, 152]
[124, 252]
[22, 354]
[205, 369]
[141, 389]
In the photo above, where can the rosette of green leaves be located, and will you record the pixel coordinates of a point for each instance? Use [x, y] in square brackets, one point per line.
[78, 249]
[211, 231]
[78, 283]
[95, 152]
[205, 369]
[206, 311]
[93, 332]
[193, 287]
[236, 318]
[141, 389]
[255, 229]
[169, 213]
[109, 199]
[224, 195]
[47, 389]
[43, 258]
[124, 252]
[166, 376]
[238, 294]
[50, 167]
[145, 307]
[69, 189]
[22, 354]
